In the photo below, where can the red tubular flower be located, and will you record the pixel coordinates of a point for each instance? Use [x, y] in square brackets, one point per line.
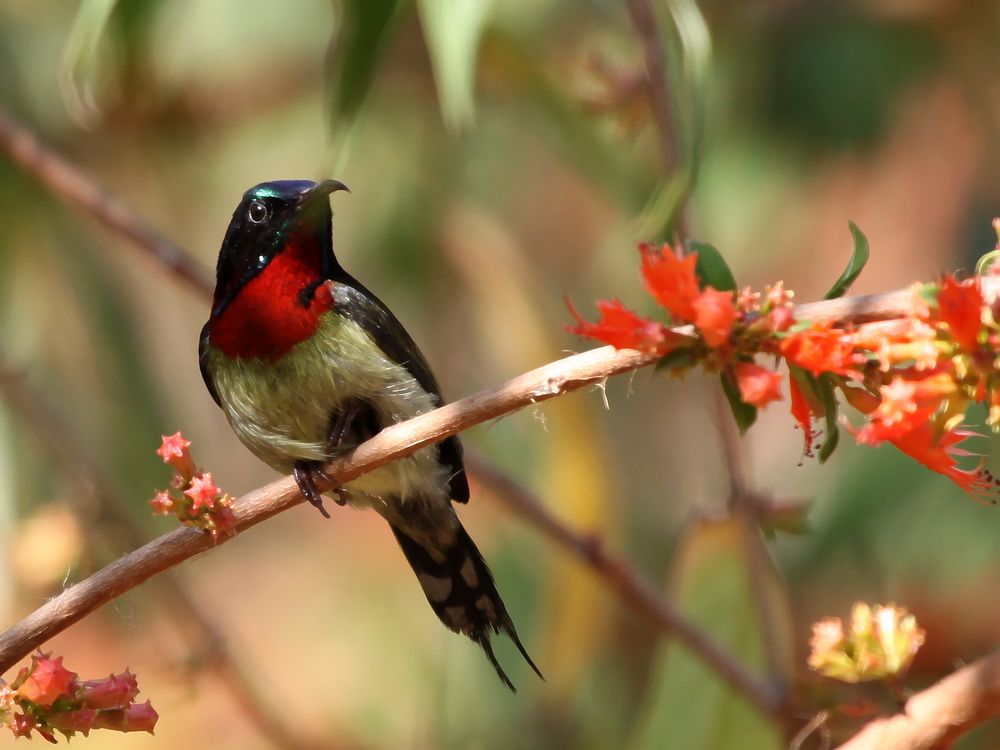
[758, 385]
[960, 305]
[162, 503]
[46, 680]
[671, 280]
[81, 720]
[115, 691]
[821, 348]
[940, 453]
[138, 717]
[202, 492]
[174, 451]
[803, 414]
[624, 329]
[714, 315]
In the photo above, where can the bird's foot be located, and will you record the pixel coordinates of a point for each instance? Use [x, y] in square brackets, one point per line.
[305, 473]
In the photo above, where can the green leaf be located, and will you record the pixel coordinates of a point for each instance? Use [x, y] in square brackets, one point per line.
[453, 29]
[744, 414]
[687, 705]
[365, 27]
[78, 73]
[712, 268]
[824, 388]
[859, 257]
[678, 358]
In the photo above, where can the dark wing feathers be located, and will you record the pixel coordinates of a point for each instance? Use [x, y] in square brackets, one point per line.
[355, 302]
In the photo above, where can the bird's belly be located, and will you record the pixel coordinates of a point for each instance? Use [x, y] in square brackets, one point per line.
[281, 409]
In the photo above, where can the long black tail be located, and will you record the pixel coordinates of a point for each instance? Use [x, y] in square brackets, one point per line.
[461, 591]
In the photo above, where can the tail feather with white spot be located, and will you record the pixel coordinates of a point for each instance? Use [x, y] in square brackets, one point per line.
[460, 589]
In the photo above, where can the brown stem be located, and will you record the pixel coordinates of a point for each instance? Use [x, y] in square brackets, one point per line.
[743, 506]
[644, 21]
[102, 508]
[394, 442]
[625, 582]
[935, 717]
[82, 192]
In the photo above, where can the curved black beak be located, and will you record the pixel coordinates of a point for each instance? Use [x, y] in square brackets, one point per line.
[323, 189]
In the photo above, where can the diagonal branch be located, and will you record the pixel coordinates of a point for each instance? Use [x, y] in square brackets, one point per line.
[77, 189]
[625, 582]
[103, 502]
[394, 442]
[935, 717]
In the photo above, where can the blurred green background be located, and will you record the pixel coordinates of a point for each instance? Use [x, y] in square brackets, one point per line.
[501, 158]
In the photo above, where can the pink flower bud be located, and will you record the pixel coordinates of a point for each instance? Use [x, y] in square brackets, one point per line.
[162, 503]
[174, 451]
[46, 681]
[139, 717]
[81, 720]
[202, 492]
[116, 691]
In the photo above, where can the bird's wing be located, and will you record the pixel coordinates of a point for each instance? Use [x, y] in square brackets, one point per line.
[355, 302]
[203, 364]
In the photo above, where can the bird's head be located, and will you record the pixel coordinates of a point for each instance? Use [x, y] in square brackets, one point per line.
[283, 217]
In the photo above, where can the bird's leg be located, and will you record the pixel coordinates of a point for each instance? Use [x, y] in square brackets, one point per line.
[305, 477]
[340, 427]
[353, 424]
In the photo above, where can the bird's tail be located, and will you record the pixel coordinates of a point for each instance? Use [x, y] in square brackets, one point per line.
[461, 591]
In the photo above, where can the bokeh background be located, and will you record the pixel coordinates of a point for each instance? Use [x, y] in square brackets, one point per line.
[501, 158]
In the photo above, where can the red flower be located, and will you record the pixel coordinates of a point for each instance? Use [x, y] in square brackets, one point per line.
[803, 414]
[138, 717]
[116, 691]
[758, 386]
[46, 680]
[821, 348]
[960, 305]
[162, 503]
[714, 315]
[624, 329]
[671, 280]
[21, 725]
[174, 451]
[940, 452]
[905, 405]
[81, 720]
[202, 492]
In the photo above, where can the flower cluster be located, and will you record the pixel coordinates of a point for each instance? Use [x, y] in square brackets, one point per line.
[913, 377]
[47, 698]
[193, 497]
[880, 642]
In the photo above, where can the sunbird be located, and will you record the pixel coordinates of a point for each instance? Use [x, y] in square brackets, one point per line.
[307, 363]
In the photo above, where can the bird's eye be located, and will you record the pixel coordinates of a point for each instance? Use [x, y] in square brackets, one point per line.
[257, 213]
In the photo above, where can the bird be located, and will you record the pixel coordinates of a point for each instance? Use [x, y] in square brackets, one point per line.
[306, 364]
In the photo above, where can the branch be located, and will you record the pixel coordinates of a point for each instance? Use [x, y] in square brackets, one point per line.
[391, 443]
[81, 192]
[193, 621]
[644, 21]
[938, 715]
[626, 583]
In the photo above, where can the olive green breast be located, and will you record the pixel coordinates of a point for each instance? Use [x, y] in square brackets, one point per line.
[281, 410]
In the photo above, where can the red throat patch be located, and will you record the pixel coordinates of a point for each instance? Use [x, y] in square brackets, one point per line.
[270, 314]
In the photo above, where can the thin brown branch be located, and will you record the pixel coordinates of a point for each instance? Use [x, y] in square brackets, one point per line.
[626, 583]
[394, 442]
[102, 508]
[742, 504]
[82, 192]
[643, 18]
[935, 717]
[74, 187]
